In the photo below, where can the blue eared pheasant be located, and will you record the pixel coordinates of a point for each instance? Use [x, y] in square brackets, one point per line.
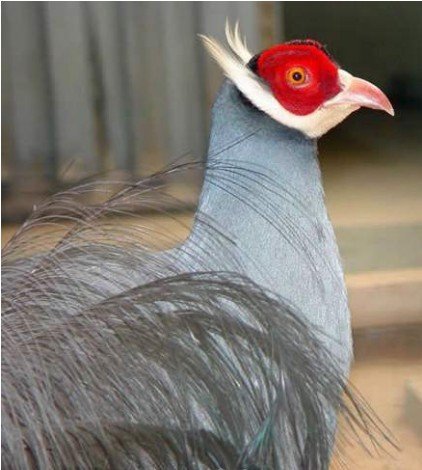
[230, 350]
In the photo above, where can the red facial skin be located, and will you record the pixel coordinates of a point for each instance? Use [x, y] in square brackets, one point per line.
[321, 82]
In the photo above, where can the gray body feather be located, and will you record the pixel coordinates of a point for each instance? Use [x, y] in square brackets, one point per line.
[229, 351]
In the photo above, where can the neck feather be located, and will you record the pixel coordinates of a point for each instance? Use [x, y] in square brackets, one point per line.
[263, 192]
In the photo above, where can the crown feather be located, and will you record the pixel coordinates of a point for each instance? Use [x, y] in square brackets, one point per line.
[236, 43]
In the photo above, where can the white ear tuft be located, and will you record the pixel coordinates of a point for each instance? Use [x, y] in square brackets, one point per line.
[237, 45]
[245, 80]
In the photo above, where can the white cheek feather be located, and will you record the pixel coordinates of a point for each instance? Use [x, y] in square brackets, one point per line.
[234, 65]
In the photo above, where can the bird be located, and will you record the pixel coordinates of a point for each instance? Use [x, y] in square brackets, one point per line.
[228, 350]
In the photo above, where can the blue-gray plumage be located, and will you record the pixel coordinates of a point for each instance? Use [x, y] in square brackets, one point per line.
[265, 194]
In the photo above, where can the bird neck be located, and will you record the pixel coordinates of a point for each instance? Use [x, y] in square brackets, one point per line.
[263, 198]
[258, 173]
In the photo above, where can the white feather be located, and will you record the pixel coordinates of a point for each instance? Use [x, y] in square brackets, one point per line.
[237, 45]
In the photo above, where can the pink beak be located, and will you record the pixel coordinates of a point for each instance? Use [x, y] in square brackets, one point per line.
[362, 94]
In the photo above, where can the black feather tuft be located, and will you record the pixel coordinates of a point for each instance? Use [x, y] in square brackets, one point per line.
[311, 42]
[253, 63]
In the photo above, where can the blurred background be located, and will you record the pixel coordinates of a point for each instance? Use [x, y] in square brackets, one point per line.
[100, 88]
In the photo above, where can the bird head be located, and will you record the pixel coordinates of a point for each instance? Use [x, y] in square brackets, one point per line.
[297, 83]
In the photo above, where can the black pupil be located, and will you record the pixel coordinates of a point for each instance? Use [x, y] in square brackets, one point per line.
[297, 76]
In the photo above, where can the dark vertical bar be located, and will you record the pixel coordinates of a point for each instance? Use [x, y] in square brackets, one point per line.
[30, 132]
[74, 110]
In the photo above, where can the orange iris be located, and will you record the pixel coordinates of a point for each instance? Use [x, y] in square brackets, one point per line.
[296, 76]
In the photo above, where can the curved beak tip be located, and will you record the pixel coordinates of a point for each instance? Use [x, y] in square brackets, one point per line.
[378, 100]
[390, 111]
[368, 95]
[364, 94]
[388, 108]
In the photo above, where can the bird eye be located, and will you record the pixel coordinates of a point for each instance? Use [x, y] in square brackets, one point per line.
[296, 76]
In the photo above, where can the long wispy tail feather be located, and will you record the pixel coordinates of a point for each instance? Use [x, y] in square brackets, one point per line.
[113, 356]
